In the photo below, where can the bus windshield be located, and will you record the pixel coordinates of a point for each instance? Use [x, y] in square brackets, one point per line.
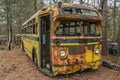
[77, 28]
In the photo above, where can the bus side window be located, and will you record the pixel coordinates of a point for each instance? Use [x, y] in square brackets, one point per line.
[35, 28]
[94, 30]
[24, 30]
[27, 30]
[85, 30]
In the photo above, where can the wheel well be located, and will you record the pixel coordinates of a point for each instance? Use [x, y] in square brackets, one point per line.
[22, 46]
[33, 53]
[22, 43]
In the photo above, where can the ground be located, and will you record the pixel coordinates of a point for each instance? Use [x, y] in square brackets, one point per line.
[15, 65]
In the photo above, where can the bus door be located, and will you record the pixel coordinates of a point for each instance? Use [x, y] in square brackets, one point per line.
[45, 42]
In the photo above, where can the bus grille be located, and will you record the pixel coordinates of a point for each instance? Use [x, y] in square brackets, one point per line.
[76, 49]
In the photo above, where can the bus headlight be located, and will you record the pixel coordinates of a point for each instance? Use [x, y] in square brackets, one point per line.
[62, 53]
[97, 51]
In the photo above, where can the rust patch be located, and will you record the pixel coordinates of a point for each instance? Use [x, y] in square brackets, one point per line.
[70, 60]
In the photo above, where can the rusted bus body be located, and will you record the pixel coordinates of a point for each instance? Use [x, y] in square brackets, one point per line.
[69, 42]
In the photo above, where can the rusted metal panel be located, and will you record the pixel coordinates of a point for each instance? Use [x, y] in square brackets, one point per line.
[77, 49]
[71, 59]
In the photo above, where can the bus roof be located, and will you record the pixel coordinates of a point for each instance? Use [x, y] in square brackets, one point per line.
[50, 7]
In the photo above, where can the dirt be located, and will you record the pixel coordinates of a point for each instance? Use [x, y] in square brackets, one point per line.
[113, 59]
[2, 47]
[15, 65]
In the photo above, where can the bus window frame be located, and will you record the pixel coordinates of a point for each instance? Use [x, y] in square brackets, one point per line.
[82, 30]
[30, 27]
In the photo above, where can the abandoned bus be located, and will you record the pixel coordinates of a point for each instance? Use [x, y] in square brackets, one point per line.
[63, 38]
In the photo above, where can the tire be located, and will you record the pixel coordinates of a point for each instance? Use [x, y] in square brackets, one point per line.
[35, 61]
[23, 49]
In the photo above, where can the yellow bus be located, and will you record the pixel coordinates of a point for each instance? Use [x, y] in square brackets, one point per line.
[63, 38]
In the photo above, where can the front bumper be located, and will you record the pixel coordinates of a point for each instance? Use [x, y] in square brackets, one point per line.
[67, 69]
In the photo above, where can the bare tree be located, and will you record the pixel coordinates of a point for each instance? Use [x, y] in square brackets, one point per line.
[118, 34]
[118, 40]
[104, 23]
[114, 21]
[9, 23]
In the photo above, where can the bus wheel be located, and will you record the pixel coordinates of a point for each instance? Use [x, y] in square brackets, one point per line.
[23, 49]
[35, 59]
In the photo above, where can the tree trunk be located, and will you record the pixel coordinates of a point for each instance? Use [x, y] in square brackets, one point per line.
[104, 23]
[35, 6]
[114, 22]
[118, 40]
[9, 24]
